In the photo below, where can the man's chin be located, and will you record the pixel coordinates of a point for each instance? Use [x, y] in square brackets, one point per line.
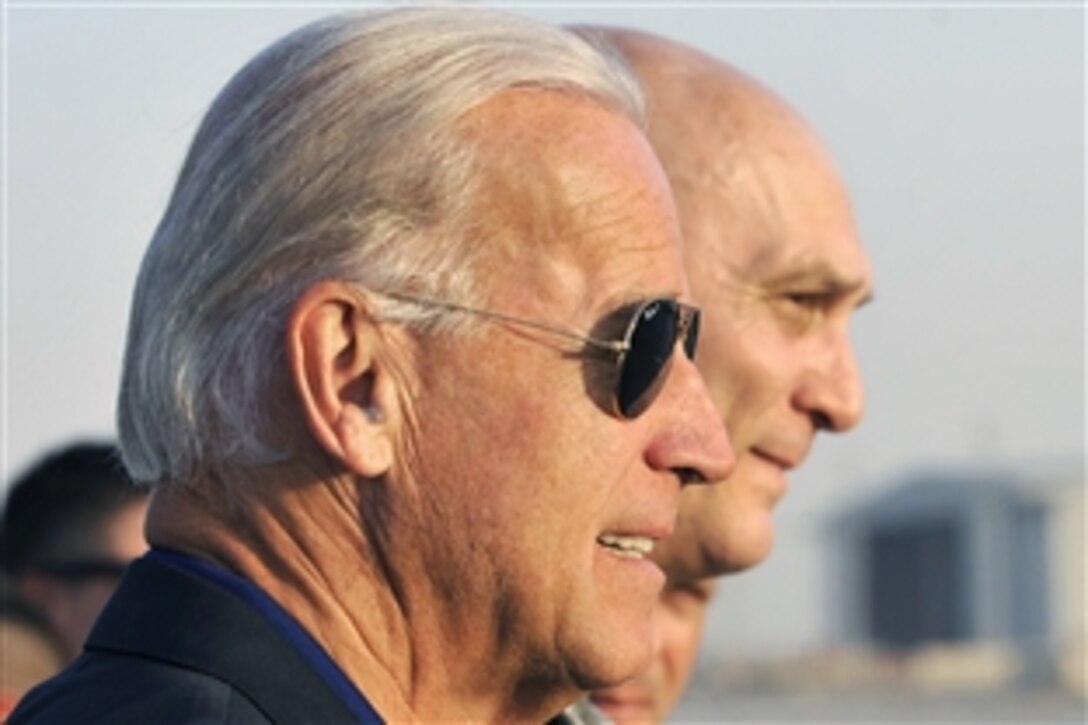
[625, 704]
[730, 546]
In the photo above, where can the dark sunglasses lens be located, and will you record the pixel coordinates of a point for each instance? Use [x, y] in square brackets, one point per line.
[691, 339]
[651, 343]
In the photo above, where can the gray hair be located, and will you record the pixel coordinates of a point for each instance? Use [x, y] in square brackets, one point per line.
[326, 157]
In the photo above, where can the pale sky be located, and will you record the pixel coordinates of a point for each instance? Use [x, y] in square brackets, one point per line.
[959, 130]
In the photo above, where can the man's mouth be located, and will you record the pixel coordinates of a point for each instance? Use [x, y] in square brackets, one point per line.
[786, 463]
[634, 547]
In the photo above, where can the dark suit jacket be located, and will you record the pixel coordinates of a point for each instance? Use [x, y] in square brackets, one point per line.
[171, 647]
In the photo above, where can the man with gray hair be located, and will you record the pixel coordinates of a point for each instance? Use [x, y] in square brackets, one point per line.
[409, 371]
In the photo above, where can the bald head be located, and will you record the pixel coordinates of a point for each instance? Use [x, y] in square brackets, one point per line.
[725, 139]
[773, 258]
[704, 113]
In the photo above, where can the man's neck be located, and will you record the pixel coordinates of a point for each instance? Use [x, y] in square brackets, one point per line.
[368, 608]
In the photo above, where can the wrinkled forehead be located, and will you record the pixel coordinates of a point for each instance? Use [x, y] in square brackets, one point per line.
[768, 196]
[574, 188]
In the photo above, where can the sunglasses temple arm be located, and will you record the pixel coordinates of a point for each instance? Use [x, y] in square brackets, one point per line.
[615, 346]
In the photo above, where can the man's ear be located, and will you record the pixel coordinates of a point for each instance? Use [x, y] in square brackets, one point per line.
[346, 393]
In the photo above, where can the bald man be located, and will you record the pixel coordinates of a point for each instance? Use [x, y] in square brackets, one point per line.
[774, 258]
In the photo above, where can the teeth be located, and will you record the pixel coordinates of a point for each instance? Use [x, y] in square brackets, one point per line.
[635, 547]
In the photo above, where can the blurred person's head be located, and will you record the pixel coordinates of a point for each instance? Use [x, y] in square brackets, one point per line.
[772, 253]
[71, 523]
[408, 350]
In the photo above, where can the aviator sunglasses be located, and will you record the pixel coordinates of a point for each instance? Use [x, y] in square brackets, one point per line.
[641, 356]
[80, 570]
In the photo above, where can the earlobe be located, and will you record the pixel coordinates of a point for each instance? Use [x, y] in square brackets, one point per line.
[333, 350]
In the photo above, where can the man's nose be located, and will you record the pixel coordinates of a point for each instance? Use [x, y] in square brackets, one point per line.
[832, 394]
[694, 443]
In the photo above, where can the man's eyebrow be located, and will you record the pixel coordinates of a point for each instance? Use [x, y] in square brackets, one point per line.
[824, 279]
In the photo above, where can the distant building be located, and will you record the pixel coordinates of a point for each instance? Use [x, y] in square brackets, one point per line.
[965, 558]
